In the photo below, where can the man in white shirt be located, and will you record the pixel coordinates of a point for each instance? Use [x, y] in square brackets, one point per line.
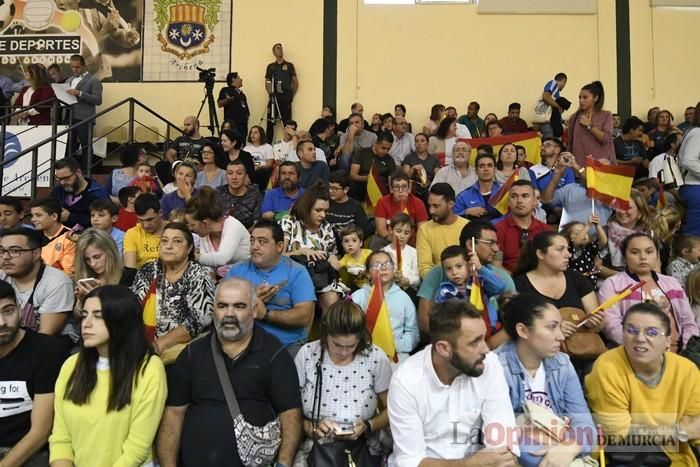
[286, 147]
[403, 144]
[450, 402]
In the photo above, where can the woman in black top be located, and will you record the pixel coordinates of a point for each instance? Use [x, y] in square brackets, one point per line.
[231, 144]
[543, 270]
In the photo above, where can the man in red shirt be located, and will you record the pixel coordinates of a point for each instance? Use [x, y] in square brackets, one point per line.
[513, 124]
[399, 200]
[520, 225]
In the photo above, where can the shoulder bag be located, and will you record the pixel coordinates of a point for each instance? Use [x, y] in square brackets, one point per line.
[543, 112]
[257, 445]
[339, 453]
[584, 343]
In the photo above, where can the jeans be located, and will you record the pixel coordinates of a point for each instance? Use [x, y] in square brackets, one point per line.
[690, 194]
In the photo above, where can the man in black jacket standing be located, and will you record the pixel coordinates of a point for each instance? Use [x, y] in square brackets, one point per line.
[281, 83]
[235, 103]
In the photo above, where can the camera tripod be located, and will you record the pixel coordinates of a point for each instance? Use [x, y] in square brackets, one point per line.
[213, 126]
[272, 112]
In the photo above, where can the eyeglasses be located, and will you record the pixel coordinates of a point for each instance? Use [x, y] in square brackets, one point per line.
[382, 266]
[14, 251]
[489, 243]
[63, 179]
[651, 331]
[400, 187]
[207, 151]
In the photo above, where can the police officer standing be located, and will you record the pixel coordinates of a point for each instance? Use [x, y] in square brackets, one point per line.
[281, 83]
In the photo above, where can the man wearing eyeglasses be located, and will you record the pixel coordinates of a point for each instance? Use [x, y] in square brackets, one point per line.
[400, 199]
[29, 365]
[495, 280]
[75, 193]
[44, 294]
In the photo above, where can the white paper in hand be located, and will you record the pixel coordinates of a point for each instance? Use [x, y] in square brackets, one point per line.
[60, 89]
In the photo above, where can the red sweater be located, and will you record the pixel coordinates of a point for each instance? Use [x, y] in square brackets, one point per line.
[41, 94]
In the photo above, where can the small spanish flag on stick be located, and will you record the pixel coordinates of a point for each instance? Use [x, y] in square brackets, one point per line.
[662, 202]
[274, 179]
[376, 188]
[501, 198]
[378, 321]
[609, 184]
[399, 260]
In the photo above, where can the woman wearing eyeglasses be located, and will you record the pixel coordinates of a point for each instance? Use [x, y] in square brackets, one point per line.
[642, 388]
[210, 174]
[402, 311]
[641, 254]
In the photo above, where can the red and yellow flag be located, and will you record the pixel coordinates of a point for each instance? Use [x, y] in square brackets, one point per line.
[609, 184]
[662, 202]
[376, 188]
[530, 141]
[274, 179]
[501, 198]
[477, 297]
[378, 321]
[399, 260]
[148, 306]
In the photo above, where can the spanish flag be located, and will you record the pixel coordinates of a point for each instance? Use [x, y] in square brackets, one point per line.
[376, 188]
[399, 260]
[609, 184]
[530, 141]
[274, 179]
[501, 198]
[378, 321]
[148, 306]
[477, 297]
[662, 202]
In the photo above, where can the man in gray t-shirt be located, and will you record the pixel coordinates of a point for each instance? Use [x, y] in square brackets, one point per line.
[51, 290]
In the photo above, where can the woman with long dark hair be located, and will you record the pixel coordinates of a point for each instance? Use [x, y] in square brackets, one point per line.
[443, 141]
[436, 113]
[590, 127]
[111, 395]
[231, 144]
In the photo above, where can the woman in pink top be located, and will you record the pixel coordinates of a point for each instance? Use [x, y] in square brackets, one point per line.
[590, 128]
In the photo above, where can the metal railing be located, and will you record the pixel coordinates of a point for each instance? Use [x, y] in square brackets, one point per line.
[52, 140]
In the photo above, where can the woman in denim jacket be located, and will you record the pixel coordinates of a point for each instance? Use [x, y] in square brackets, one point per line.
[538, 373]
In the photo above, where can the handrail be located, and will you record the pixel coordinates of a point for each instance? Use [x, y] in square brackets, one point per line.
[130, 101]
[28, 107]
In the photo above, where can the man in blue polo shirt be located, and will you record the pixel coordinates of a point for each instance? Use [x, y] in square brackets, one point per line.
[282, 286]
[473, 203]
[278, 201]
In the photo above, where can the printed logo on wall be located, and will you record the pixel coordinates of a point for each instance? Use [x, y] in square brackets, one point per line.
[184, 35]
[50, 31]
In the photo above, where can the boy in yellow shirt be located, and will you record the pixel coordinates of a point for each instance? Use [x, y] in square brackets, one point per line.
[58, 250]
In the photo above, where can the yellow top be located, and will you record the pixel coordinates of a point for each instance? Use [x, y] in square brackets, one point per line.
[88, 435]
[348, 262]
[618, 399]
[144, 244]
[432, 239]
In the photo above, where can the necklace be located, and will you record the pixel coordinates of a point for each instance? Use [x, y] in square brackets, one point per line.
[654, 380]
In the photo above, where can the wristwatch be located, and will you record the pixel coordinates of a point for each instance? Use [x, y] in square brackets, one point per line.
[589, 127]
[681, 435]
[266, 316]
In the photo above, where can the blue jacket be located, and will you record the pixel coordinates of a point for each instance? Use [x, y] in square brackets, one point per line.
[564, 390]
[472, 198]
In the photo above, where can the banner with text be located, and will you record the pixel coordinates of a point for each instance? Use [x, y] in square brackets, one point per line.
[106, 32]
[17, 173]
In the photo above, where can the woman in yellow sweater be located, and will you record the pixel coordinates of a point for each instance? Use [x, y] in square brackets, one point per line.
[640, 388]
[110, 396]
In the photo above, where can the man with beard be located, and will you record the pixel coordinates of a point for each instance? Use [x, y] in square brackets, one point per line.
[189, 145]
[44, 294]
[29, 366]
[472, 121]
[450, 401]
[474, 202]
[520, 225]
[284, 288]
[496, 280]
[263, 379]
[75, 193]
[441, 231]
[277, 201]
[459, 174]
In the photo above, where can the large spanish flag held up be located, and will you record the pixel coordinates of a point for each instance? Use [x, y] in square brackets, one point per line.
[609, 184]
[376, 188]
[501, 198]
[378, 321]
[530, 141]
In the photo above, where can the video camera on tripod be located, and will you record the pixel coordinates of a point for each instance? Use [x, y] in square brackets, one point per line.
[208, 76]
